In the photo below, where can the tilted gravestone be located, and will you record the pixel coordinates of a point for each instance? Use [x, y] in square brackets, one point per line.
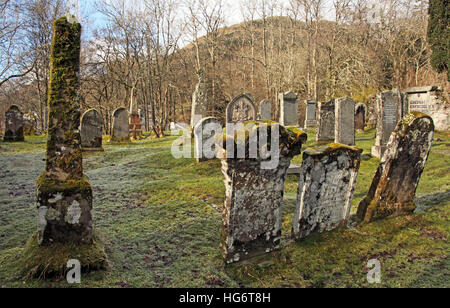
[121, 128]
[395, 182]
[326, 123]
[387, 106]
[345, 121]
[64, 195]
[251, 221]
[325, 191]
[288, 109]
[360, 117]
[199, 102]
[310, 120]
[241, 109]
[13, 125]
[91, 131]
[265, 110]
[204, 133]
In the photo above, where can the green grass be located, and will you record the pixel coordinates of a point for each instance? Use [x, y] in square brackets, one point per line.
[159, 218]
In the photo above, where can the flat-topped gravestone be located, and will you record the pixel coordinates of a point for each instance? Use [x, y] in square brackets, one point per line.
[394, 185]
[387, 119]
[199, 102]
[345, 121]
[360, 117]
[91, 131]
[325, 191]
[326, 123]
[64, 195]
[241, 109]
[310, 120]
[204, 138]
[288, 109]
[13, 125]
[121, 129]
[265, 110]
[251, 221]
[135, 129]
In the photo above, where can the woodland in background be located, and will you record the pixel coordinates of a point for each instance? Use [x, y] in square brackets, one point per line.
[148, 54]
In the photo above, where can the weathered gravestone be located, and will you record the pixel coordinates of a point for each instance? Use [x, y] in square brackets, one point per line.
[360, 117]
[64, 195]
[199, 101]
[13, 125]
[241, 109]
[387, 117]
[288, 109]
[326, 127]
[120, 130]
[310, 121]
[251, 221]
[204, 133]
[345, 121]
[395, 182]
[265, 110]
[135, 129]
[325, 190]
[91, 131]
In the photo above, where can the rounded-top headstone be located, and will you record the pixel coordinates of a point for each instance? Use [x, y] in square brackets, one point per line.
[13, 125]
[120, 130]
[241, 109]
[91, 131]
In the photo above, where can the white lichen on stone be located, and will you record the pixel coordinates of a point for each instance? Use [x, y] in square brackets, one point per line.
[57, 198]
[42, 222]
[73, 213]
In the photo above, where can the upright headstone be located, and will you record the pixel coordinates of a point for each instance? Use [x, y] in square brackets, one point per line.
[265, 110]
[241, 109]
[325, 129]
[204, 138]
[13, 125]
[120, 130]
[345, 121]
[64, 195]
[288, 109]
[310, 121]
[360, 117]
[135, 126]
[199, 101]
[387, 118]
[251, 221]
[325, 191]
[395, 182]
[91, 131]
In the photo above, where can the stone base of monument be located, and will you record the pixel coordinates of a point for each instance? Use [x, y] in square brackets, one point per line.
[378, 151]
[310, 124]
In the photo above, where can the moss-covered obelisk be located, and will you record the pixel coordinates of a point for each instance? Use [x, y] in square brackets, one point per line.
[64, 194]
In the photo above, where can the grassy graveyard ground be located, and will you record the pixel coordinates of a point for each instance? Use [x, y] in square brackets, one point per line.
[160, 219]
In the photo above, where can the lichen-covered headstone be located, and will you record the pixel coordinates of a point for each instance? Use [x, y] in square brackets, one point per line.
[91, 131]
[345, 121]
[13, 125]
[325, 129]
[360, 117]
[265, 110]
[387, 106]
[204, 138]
[121, 128]
[64, 195]
[288, 109]
[326, 186]
[251, 221]
[199, 102]
[310, 120]
[241, 109]
[395, 182]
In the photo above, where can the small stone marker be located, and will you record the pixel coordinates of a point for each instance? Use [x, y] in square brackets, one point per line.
[241, 109]
[64, 195]
[120, 130]
[395, 182]
[91, 131]
[326, 127]
[251, 221]
[288, 109]
[387, 117]
[360, 117]
[204, 133]
[265, 110]
[199, 101]
[325, 191]
[13, 125]
[310, 121]
[345, 121]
